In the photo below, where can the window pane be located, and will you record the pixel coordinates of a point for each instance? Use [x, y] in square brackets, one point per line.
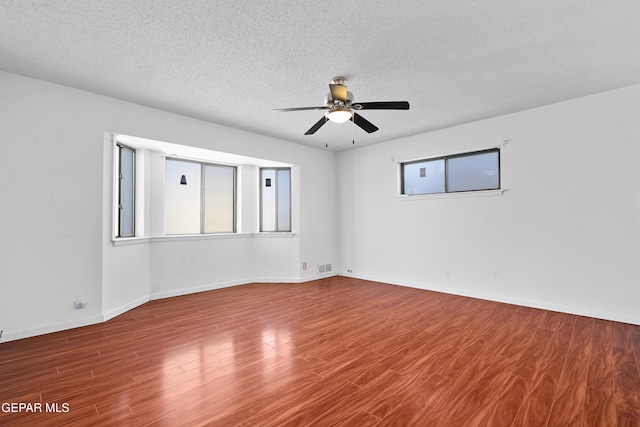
[473, 172]
[182, 201]
[268, 200]
[423, 177]
[283, 190]
[219, 199]
[127, 193]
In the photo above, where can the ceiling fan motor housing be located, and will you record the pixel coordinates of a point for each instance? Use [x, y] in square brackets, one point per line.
[329, 101]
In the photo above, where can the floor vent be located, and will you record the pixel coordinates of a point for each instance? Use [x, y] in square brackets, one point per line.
[324, 268]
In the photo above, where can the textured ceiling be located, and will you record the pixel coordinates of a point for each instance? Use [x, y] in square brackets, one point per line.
[231, 62]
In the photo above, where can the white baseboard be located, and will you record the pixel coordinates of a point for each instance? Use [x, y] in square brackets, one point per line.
[544, 305]
[42, 330]
[196, 289]
[275, 280]
[313, 277]
[220, 285]
[107, 315]
[124, 308]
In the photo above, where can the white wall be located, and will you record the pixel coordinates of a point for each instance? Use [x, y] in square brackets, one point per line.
[56, 216]
[565, 236]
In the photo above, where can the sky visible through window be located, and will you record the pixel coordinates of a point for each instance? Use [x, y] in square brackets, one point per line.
[467, 172]
[183, 202]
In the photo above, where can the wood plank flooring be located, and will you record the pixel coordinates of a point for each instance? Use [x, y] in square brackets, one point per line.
[333, 352]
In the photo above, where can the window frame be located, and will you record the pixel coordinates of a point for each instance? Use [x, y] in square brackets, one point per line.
[120, 186]
[446, 159]
[202, 195]
[261, 200]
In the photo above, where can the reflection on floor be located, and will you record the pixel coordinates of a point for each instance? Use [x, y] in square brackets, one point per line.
[336, 351]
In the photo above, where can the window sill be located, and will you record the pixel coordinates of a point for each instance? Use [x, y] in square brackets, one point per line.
[461, 194]
[191, 237]
[188, 237]
[128, 241]
[270, 234]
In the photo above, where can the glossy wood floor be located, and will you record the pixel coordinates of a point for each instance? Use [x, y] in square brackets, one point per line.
[332, 352]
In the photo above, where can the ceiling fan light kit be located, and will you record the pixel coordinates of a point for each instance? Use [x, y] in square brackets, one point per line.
[341, 108]
[339, 115]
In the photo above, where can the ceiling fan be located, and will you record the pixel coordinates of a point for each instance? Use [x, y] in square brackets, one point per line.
[341, 108]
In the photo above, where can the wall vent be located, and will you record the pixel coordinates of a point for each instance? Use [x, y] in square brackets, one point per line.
[324, 268]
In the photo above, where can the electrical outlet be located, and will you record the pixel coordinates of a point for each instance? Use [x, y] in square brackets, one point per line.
[79, 302]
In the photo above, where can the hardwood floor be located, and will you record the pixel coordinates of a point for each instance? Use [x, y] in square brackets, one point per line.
[333, 352]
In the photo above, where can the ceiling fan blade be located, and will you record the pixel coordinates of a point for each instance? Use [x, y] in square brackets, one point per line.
[317, 126]
[365, 124]
[390, 105]
[284, 110]
[338, 92]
